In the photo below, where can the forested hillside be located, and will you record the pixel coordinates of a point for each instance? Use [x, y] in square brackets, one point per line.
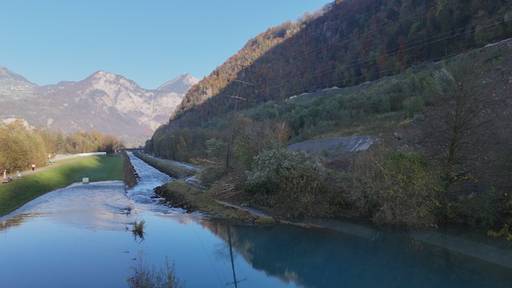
[426, 83]
[347, 43]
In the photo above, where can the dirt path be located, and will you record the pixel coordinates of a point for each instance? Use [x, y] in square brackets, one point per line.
[253, 211]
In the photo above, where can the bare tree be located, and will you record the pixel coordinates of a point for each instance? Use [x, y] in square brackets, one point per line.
[460, 125]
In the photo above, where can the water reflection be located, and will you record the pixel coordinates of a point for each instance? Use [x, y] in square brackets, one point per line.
[15, 220]
[86, 230]
[138, 230]
[316, 258]
[95, 206]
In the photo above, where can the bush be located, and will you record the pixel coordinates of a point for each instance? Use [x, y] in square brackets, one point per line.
[413, 105]
[211, 173]
[290, 183]
[395, 188]
[216, 149]
[251, 138]
[480, 208]
[147, 277]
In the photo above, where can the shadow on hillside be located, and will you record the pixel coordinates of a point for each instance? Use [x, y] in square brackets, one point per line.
[352, 42]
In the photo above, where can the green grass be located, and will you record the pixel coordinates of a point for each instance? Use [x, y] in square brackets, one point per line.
[98, 168]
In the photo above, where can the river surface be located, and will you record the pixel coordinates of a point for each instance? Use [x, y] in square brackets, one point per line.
[81, 236]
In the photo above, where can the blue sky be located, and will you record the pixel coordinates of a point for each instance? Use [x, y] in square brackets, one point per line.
[147, 41]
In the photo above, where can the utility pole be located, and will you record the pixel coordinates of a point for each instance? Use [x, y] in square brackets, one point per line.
[235, 281]
[232, 136]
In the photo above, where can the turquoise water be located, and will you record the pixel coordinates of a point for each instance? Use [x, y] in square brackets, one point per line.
[80, 237]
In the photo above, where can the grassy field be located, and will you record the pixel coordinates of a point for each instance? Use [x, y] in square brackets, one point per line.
[97, 168]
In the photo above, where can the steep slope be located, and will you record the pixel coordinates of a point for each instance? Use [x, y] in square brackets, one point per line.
[179, 85]
[14, 86]
[347, 43]
[104, 102]
[168, 96]
[364, 70]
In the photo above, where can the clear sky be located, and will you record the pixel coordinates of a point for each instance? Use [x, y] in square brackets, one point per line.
[147, 41]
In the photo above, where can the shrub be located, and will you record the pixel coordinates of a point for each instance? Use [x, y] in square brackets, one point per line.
[253, 137]
[395, 188]
[413, 105]
[138, 229]
[216, 149]
[504, 232]
[211, 173]
[480, 208]
[290, 183]
[146, 277]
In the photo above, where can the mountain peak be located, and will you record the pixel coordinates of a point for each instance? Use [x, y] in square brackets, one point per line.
[8, 74]
[4, 71]
[108, 102]
[187, 77]
[101, 74]
[179, 85]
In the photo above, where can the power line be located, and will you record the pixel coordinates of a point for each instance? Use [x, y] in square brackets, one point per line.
[377, 30]
[404, 47]
[349, 38]
[427, 42]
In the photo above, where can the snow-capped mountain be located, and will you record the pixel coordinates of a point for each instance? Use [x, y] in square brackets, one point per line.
[104, 101]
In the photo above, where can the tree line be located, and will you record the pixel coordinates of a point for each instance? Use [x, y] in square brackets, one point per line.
[21, 145]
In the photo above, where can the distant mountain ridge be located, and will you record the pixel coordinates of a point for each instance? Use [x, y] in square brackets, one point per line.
[180, 84]
[14, 86]
[104, 101]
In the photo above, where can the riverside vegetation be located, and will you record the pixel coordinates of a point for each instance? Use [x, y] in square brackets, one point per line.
[147, 277]
[433, 163]
[426, 169]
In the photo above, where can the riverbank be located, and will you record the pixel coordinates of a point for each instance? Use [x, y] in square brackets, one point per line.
[223, 201]
[131, 178]
[180, 194]
[98, 168]
[172, 168]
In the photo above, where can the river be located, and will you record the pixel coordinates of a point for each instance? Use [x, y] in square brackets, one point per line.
[80, 236]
